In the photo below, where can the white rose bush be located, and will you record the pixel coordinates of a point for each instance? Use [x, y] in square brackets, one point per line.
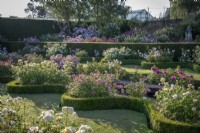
[179, 103]
[14, 118]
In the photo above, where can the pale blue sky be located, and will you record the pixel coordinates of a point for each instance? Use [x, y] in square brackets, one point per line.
[16, 7]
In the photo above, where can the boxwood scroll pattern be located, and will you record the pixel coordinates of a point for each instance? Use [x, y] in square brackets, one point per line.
[158, 122]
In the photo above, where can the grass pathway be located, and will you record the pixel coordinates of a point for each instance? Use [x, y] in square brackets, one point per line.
[128, 121]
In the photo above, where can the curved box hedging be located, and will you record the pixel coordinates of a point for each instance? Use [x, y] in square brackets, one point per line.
[158, 122]
[164, 65]
[13, 87]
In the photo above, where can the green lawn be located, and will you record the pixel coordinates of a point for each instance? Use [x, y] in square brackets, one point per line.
[128, 121]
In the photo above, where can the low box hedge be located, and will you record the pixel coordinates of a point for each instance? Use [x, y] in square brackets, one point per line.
[85, 59]
[196, 68]
[14, 87]
[6, 79]
[164, 65]
[158, 122]
[131, 61]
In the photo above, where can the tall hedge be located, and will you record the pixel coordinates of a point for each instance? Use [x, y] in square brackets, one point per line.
[14, 28]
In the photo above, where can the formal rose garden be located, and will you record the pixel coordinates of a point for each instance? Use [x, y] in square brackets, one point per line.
[162, 83]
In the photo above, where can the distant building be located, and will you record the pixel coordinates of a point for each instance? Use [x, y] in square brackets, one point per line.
[141, 15]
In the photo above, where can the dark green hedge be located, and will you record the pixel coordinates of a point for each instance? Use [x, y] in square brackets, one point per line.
[131, 61]
[85, 59]
[158, 122]
[5, 79]
[90, 47]
[15, 29]
[164, 65]
[13, 87]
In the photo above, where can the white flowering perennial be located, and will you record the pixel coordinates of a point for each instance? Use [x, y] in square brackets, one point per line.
[179, 103]
[33, 130]
[69, 110]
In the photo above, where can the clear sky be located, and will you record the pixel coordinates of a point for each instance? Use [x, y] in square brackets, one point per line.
[16, 7]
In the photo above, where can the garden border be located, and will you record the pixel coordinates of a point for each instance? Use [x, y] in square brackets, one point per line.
[158, 122]
[13, 87]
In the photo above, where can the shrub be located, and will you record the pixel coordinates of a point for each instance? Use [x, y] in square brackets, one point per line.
[57, 48]
[159, 55]
[40, 73]
[5, 68]
[69, 63]
[111, 30]
[143, 37]
[197, 38]
[186, 56]
[163, 38]
[32, 49]
[120, 53]
[3, 57]
[93, 85]
[34, 58]
[179, 103]
[165, 34]
[81, 53]
[112, 67]
[196, 55]
[88, 32]
[196, 68]
[136, 89]
[171, 76]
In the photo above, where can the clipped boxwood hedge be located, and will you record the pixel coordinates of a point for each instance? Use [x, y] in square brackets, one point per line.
[85, 59]
[158, 122]
[14, 87]
[5, 79]
[131, 61]
[164, 65]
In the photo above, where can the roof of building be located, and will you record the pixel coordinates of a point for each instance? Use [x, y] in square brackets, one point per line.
[135, 13]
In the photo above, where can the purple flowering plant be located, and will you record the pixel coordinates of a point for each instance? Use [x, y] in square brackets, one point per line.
[69, 63]
[170, 75]
[93, 85]
[88, 32]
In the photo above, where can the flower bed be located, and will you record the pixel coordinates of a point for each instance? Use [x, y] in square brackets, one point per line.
[158, 122]
[14, 87]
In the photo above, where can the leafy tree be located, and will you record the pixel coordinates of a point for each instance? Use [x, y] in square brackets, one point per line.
[180, 8]
[35, 9]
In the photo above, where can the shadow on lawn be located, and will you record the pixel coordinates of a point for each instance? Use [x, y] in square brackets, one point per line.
[43, 101]
[128, 121]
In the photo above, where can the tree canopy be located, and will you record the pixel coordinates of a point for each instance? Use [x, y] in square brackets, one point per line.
[98, 11]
